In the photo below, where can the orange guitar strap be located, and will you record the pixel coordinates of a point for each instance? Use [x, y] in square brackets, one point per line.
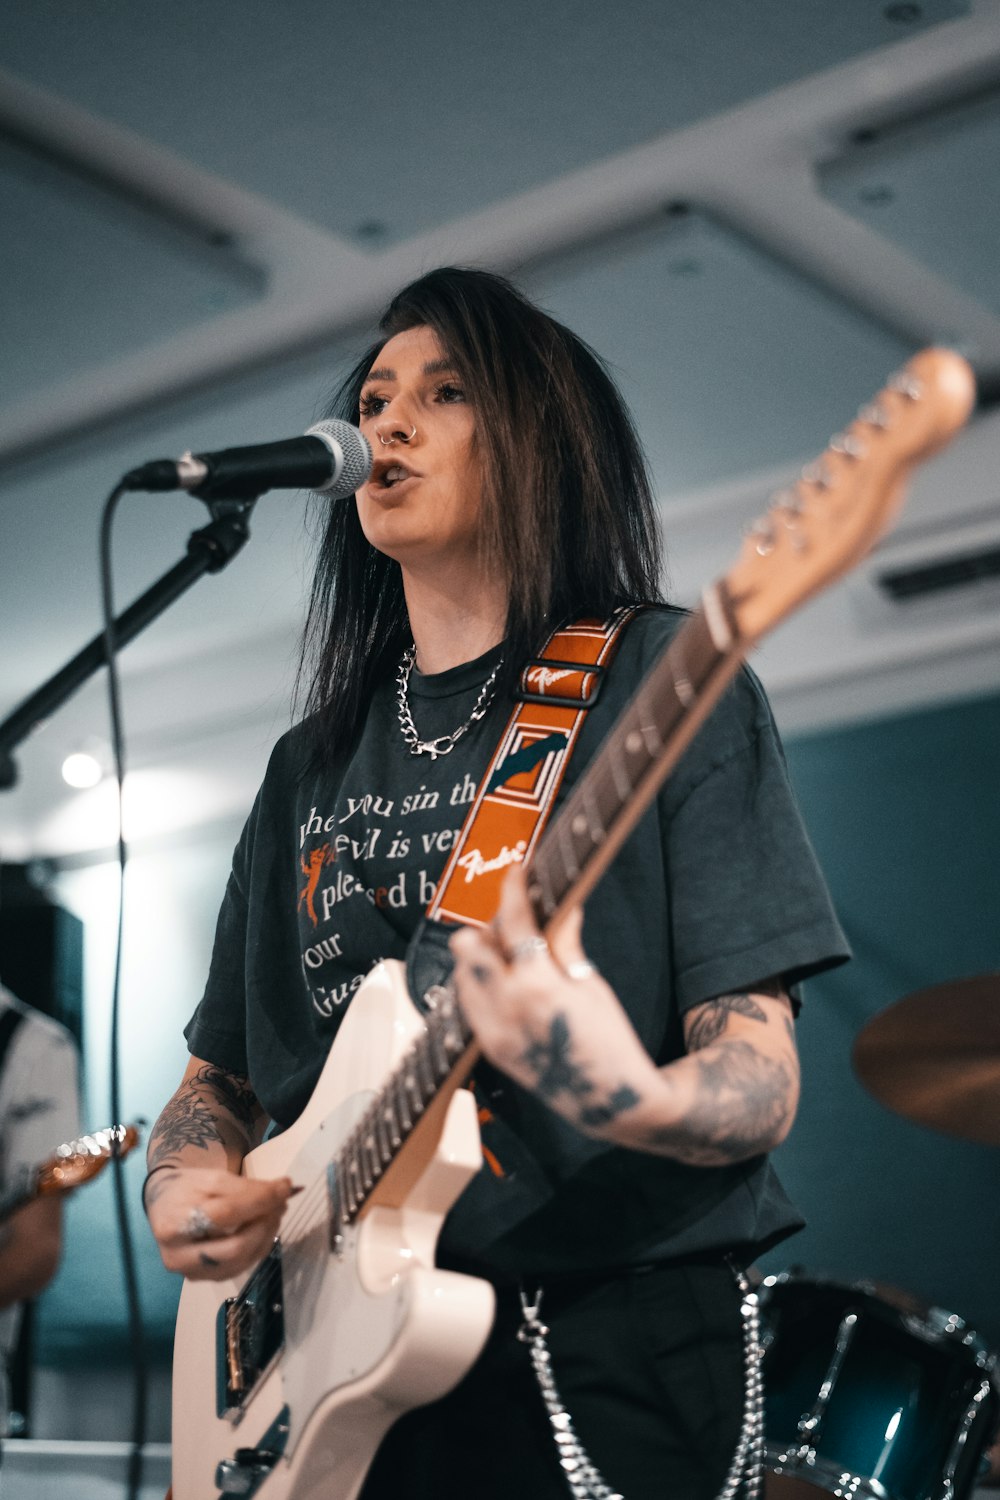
[519, 789]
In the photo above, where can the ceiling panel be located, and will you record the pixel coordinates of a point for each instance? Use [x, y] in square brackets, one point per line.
[731, 361]
[933, 187]
[95, 274]
[383, 122]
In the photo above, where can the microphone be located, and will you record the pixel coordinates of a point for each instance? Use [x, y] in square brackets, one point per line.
[332, 458]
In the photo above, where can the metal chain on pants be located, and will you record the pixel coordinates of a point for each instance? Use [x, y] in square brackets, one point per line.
[584, 1480]
[747, 1467]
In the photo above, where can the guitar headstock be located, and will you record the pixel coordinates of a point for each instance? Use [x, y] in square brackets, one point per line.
[78, 1161]
[845, 500]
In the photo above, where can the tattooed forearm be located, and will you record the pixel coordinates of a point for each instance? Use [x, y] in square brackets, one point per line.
[709, 1021]
[731, 1098]
[554, 1073]
[211, 1108]
[743, 1102]
[186, 1121]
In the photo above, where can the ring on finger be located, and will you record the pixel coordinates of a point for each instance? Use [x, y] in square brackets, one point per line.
[526, 948]
[581, 968]
[199, 1225]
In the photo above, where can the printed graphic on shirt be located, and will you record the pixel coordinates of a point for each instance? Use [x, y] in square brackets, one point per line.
[367, 869]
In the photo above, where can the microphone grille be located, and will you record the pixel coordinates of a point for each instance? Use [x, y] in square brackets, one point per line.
[351, 453]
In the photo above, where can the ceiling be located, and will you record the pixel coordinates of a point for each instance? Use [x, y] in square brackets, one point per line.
[754, 212]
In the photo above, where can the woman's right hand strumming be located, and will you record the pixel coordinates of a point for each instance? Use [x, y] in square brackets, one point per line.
[210, 1222]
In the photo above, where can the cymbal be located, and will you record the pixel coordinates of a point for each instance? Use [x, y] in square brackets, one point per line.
[934, 1057]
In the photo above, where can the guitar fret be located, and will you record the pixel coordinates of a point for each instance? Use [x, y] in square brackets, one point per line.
[355, 1175]
[651, 738]
[424, 1071]
[602, 797]
[624, 785]
[353, 1183]
[569, 859]
[402, 1103]
[378, 1134]
[336, 1206]
[452, 1020]
[545, 896]
[414, 1098]
[373, 1169]
[595, 827]
[438, 1050]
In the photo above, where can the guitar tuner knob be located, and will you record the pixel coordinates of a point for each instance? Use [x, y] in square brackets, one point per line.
[847, 444]
[243, 1473]
[232, 1478]
[873, 415]
[907, 385]
[818, 474]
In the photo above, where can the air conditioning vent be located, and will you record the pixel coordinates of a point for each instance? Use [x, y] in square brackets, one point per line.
[935, 576]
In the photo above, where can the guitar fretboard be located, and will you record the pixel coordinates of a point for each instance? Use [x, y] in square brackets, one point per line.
[644, 746]
[397, 1109]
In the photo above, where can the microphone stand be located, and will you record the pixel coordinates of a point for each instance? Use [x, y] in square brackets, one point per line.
[208, 551]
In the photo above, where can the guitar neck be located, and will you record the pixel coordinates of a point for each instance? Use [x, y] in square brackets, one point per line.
[646, 743]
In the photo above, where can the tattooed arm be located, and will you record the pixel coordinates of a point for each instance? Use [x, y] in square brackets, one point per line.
[745, 1089]
[568, 1040]
[195, 1152]
[212, 1120]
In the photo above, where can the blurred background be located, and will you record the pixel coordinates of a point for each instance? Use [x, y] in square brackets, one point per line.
[755, 212]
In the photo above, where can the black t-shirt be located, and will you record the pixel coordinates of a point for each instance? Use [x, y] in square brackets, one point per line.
[715, 889]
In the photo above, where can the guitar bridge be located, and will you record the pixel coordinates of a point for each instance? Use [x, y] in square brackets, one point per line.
[250, 1330]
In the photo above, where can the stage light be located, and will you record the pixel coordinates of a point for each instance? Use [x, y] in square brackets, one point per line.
[81, 769]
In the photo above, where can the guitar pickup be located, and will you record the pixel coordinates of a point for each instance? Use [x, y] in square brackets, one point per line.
[250, 1330]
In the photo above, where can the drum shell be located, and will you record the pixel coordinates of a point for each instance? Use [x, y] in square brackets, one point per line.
[871, 1396]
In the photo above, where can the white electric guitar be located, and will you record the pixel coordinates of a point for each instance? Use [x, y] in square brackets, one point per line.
[286, 1382]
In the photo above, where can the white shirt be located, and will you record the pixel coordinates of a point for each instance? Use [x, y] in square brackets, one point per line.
[39, 1110]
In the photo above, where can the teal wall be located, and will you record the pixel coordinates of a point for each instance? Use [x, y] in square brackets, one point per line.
[905, 817]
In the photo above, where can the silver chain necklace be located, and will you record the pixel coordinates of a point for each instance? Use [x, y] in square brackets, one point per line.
[444, 742]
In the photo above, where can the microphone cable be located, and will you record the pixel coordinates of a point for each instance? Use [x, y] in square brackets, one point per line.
[136, 1328]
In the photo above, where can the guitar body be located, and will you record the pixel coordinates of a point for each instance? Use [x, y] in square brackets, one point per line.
[370, 1329]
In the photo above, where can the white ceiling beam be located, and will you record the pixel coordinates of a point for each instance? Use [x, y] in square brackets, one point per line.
[318, 287]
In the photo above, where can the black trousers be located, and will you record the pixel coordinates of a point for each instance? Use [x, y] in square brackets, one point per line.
[648, 1365]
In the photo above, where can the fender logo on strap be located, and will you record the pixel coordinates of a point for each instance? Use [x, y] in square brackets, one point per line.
[473, 862]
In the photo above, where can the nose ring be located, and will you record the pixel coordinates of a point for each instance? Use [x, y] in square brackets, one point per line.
[402, 437]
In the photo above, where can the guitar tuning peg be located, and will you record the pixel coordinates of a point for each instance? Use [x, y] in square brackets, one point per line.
[789, 501]
[762, 535]
[873, 415]
[818, 474]
[907, 385]
[847, 444]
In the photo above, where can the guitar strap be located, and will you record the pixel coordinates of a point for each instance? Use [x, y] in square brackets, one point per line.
[503, 826]
[518, 792]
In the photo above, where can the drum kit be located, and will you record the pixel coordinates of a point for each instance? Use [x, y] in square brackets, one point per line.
[871, 1394]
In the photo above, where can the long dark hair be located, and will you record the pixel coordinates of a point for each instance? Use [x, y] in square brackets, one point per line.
[568, 510]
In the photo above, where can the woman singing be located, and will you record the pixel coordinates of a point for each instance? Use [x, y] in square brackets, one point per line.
[637, 1072]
